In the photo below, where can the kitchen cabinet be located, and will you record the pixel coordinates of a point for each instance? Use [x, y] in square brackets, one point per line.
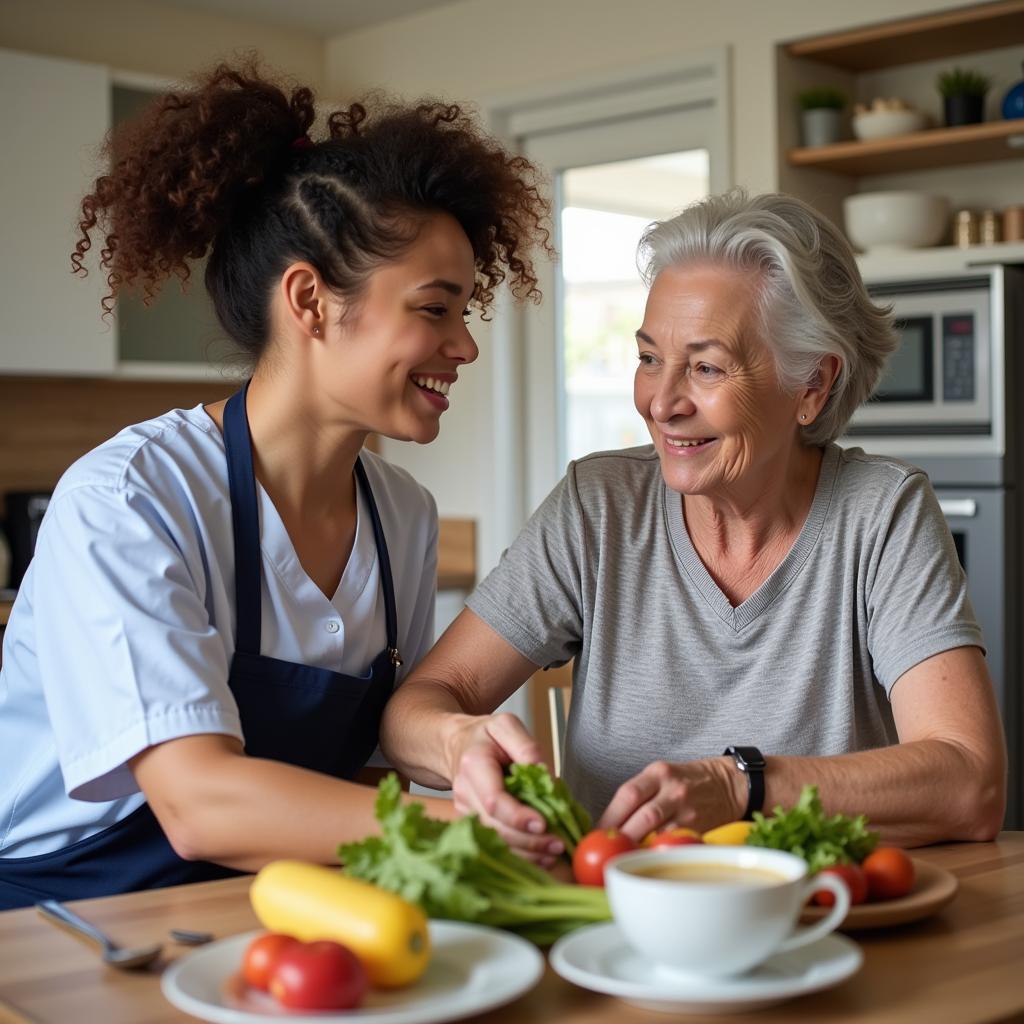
[54, 116]
[177, 333]
[902, 58]
[53, 324]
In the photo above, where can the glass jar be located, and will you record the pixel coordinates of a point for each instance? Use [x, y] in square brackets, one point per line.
[989, 232]
[1013, 224]
[965, 228]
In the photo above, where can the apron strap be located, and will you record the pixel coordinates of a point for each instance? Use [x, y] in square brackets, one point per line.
[390, 615]
[246, 526]
[245, 522]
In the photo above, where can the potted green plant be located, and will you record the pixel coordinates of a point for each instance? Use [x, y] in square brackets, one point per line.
[821, 114]
[963, 95]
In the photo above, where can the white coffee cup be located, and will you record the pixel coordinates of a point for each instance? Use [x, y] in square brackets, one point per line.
[720, 925]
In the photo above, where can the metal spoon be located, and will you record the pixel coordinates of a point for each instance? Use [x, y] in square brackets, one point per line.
[116, 956]
[187, 937]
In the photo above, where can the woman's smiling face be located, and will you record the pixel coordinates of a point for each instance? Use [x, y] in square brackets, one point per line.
[707, 386]
[396, 358]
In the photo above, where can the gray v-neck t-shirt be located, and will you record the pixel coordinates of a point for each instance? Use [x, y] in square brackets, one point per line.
[667, 669]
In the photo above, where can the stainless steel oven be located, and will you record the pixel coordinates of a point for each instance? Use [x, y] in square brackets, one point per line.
[978, 521]
[947, 403]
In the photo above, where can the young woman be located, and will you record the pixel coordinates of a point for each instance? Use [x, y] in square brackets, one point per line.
[223, 598]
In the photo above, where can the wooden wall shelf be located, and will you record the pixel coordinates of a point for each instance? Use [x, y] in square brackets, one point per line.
[456, 554]
[918, 151]
[930, 37]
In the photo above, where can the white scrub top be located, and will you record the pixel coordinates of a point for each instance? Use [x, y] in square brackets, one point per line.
[123, 630]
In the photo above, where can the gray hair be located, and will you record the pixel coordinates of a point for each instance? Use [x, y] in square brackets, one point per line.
[811, 303]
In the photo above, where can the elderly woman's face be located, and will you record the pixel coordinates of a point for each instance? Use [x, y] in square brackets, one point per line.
[706, 384]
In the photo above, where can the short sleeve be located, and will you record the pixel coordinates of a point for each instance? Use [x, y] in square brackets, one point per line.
[917, 600]
[534, 596]
[127, 652]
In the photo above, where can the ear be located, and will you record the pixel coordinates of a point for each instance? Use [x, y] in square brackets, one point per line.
[305, 298]
[814, 397]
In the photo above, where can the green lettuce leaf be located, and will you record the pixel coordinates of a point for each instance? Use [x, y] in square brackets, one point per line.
[806, 831]
[566, 817]
[464, 871]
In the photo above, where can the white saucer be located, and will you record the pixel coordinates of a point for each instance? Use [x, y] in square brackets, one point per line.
[597, 957]
[472, 969]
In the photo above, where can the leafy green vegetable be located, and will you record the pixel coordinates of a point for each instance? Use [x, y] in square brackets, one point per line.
[567, 818]
[464, 871]
[805, 831]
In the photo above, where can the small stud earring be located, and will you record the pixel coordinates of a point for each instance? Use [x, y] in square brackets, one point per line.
[803, 416]
[316, 330]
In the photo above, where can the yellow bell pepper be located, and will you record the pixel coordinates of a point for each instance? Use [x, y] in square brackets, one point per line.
[733, 834]
[309, 901]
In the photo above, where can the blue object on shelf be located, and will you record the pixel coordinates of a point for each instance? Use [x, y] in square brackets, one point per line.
[1013, 101]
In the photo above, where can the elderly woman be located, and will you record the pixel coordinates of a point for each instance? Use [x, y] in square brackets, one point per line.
[743, 582]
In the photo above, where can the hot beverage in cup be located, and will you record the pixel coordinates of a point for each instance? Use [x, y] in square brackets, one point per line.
[716, 911]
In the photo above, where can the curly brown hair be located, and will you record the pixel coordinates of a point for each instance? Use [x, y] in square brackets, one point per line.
[227, 168]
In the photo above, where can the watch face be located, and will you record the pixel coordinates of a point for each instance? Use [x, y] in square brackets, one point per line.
[749, 757]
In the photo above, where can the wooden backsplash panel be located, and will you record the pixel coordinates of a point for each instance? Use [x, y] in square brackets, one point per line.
[48, 422]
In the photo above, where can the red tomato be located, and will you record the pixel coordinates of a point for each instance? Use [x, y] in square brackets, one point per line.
[890, 873]
[855, 881]
[260, 956]
[672, 837]
[595, 850]
[321, 975]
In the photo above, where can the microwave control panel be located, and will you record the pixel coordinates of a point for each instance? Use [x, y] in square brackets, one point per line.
[958, 369]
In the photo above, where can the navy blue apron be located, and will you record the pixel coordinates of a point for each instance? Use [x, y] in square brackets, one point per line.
[306, 716]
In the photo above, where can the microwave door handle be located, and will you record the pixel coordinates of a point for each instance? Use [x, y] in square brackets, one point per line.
[958, 508]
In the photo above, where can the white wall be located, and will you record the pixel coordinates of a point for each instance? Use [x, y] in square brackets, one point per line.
[130, 35]
[478, 50]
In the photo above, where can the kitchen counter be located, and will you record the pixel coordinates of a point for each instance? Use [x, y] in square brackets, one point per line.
[961, 965]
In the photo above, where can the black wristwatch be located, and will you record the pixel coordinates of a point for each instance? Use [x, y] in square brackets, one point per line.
[751, 762]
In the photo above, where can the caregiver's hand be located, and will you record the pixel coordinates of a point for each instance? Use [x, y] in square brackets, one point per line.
[479, 750]
[693, 794]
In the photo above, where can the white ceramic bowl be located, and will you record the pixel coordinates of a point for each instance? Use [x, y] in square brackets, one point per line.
[882, 124]
[895, 220]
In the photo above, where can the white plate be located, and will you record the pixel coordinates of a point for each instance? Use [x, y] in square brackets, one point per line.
[597, 957]
[472, 969]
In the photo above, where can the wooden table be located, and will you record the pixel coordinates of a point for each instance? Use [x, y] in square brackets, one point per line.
[964, 964]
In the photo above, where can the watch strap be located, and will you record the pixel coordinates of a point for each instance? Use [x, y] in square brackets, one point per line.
[751, 762]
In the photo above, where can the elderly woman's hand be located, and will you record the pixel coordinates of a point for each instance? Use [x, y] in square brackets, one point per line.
[479, 751]
[694, 794]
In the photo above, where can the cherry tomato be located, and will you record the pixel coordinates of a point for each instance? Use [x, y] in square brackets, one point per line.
[595, 849]
[678, 836]
[322, 975]
[260, 956]
[855, 881]
[890, 873]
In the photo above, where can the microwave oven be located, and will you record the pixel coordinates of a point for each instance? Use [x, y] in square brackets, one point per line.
[940, 381]
[25, 511]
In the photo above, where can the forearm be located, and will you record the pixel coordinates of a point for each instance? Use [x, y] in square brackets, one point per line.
[417, 729]
[434, 713]
[244, 812]
[914, 793]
